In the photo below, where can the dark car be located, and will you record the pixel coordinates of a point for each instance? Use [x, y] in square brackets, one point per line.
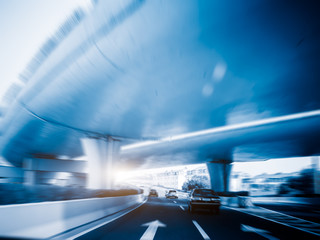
[153, 193]
[172, 194]
[204, 199]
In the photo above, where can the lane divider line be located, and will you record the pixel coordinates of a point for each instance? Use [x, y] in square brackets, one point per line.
[284, 219]
[174, 201]
[181, 208]
[202, 232]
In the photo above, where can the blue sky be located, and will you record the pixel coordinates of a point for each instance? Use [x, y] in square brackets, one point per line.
[24, 27]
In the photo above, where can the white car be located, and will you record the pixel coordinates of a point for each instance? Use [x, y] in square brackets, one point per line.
[172, 194]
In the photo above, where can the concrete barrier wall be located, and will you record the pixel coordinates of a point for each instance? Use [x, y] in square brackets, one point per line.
[242, 202]
[43, 220]
[229, 201]
[289, 200]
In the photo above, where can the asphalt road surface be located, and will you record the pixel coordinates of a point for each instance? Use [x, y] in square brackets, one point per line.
[161, 218]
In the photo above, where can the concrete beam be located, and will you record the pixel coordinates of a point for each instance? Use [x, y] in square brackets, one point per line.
[55, 165]
[11, 172]
[42, 171]
[49, 175]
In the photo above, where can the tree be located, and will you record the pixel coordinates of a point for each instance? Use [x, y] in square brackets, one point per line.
[196, 182]
[301, 184]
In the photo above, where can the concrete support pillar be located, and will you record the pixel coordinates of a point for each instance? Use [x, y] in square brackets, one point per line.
[45, 171]
[101, 153]
[29, 173]
[29, 177]
[11, 175]
[219, 172]
[316, 174]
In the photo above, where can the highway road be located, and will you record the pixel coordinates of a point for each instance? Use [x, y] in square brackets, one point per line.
[161, 218]
[303, 211]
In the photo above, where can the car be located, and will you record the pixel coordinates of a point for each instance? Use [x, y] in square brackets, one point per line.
[153, 193]
[171, 194]
[204, 199]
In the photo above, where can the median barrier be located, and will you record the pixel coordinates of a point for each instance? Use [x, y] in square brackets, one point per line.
[287, 200]
[236, 201]
[244, 202]
[229, 201]
[46, 219]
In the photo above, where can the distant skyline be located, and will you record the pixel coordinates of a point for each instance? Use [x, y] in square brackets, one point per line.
[24, 27]
[285, 165]
[272, 166]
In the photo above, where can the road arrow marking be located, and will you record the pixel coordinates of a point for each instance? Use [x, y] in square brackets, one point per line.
[261, 232]
[151, 230]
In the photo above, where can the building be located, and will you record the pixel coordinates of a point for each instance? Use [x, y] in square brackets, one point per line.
[172, 177]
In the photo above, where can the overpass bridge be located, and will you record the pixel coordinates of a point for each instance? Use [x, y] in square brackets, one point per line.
[137, 83]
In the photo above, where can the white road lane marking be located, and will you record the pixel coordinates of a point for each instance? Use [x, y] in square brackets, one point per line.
[152, 229]
[281, 218]
[203, 233]
[261, 232]
[181, 207]
[174, 201]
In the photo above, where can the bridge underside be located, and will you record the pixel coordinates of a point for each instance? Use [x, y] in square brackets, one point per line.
[140, 71]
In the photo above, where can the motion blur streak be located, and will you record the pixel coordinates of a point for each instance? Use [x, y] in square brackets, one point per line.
[173, 71]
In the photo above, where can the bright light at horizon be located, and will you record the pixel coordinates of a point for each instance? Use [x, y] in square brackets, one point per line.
[121, 175]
